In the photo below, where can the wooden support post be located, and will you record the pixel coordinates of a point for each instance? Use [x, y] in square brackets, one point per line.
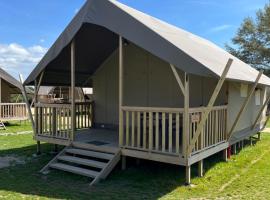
[36, 122]
[266, 122]
[210, 105]
[200, 168]
[185, 137]
[38, 148]
[225, 155]
[188, 175]
[27, 103]
[244, 105]
[185, 91]
[259, 136]
[178, 79]
[121, 74]
[73, 112]
[37, 89]
[234, 149]
[55, 148]
[138, 161]
[261, 111]
[124, 162]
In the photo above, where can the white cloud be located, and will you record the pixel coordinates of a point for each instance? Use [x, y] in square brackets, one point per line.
[220, 28]
[42, 40]
[17, 59]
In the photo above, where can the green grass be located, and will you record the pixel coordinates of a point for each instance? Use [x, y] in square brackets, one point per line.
[16, 126]
[149, 180]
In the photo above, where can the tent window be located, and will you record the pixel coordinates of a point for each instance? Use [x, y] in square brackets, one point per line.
[258, 97]
[243, 90]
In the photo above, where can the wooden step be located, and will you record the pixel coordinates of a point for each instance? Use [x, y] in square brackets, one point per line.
[104, 149]
[89, 153]
[75, 170]
[81, 161]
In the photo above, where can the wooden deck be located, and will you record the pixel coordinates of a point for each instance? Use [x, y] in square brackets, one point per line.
[98, 138]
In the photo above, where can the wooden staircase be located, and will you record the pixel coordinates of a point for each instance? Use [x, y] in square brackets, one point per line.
[89, 162]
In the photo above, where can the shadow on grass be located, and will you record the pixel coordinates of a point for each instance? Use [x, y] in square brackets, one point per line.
[149, 180]
[16, 123]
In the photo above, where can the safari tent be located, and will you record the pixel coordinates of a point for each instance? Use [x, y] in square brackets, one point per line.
[160, 93]
[61, 94]
[11, 108]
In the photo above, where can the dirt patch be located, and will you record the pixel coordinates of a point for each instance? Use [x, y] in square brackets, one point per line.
[243, 171]
[8, 161]
[266, 130]
[18, 133]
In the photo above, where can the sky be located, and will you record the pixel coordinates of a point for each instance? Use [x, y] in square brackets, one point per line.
[28, 28]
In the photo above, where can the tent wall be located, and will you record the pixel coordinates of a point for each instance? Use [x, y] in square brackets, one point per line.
[6, 92]
[148, 82]
[235, 101]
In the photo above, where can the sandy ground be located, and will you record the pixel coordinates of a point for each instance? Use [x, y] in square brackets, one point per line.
[266, 130]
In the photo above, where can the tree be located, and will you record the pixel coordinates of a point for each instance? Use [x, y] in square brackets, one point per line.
[252, 41]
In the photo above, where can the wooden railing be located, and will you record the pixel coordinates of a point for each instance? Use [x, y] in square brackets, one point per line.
[84, 115]
[13, 111]
[153, 129]
[54, 120]
[215, 129]
[161, 129]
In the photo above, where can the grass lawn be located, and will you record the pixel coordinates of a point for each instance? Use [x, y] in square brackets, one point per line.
[245, 176]
[16, 126]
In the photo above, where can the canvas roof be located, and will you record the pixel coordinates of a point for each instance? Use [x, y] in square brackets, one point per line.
[96, 28]
[13, 83]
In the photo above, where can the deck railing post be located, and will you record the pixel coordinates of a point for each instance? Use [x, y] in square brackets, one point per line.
[186, 118]
[73, 118]
[210, 105]
[120, 91]
[54, 129]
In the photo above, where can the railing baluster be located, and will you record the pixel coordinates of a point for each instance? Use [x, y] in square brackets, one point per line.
[127, 128]
[133, 129]
[138, 129]
[150, 131]
[163, 132]
[177, 127]
[144, 130]
[157, 131]
[170, 132]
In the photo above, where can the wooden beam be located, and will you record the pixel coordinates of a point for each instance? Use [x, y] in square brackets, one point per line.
[37, 89]
[188, 175]
[121, 63]
[210, 105]
[261, 110]
[244, 105]
[185, 136]
[72, 70]
[200, 168]
[27, 103]
[178, 79]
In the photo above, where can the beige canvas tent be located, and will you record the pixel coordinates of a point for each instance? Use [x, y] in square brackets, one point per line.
[61, 94]
[159, 93]
[10, 107]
